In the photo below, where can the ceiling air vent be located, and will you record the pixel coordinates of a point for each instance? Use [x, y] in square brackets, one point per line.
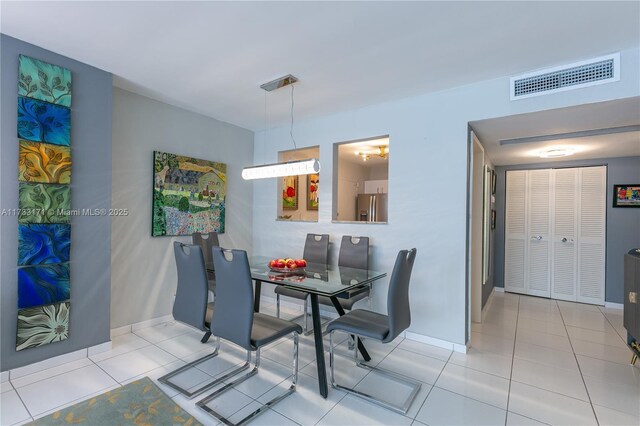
[601, 70]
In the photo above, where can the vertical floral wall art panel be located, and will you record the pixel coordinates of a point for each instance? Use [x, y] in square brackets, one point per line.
[44, 202]
[43, 162]
[44, 81]
[42, 325]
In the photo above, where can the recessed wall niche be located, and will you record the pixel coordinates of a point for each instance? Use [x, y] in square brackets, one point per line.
[361, 180]
[298, 196]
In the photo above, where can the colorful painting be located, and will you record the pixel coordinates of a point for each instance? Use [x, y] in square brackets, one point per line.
[188, 195]
[44, 81]
[43, 285]
[42, 325]
[626, 195]
[40, 244]
[290, 193]
[43, 162]
[313, 181]
[43, 122]
[40, 203]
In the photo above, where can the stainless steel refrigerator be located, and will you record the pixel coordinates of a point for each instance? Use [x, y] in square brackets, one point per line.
[372, 208]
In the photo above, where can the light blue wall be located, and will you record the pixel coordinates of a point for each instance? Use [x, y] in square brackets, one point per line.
[623, 224]
[427, 186]
[90, 189]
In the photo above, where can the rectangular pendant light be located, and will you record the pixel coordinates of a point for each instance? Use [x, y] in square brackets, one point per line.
[290, 168]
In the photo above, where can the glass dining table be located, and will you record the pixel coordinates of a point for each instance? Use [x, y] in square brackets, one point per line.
[318, 280]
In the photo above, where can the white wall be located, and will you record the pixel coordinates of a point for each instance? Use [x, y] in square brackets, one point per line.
[427, 186]
[143, 268]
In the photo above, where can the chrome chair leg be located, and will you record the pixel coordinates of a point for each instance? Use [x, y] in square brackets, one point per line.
[292, 388]
[403, 408]
[277, 305]
[166, 379]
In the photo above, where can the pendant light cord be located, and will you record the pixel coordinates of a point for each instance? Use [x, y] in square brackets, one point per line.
[264, 136]
[291, 129]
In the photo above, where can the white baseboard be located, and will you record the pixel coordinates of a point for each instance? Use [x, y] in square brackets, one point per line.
[93, 350]
[614, 305]
[4, 376]
[456, 347]
[120, 331]
[487, 305]
[56, 361]
[499, 289]
[151, 322]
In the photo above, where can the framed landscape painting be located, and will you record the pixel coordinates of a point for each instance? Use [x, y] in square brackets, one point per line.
[626, 195]
[188, 195]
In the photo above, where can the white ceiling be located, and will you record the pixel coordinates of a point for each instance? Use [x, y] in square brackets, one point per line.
[601, 115]
[210, 57]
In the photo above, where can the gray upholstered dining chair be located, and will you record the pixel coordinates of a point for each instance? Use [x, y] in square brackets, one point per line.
[191, 308]
[205, 242]
[316, 250]
[234, 320]
[383, 328]
[354, 253]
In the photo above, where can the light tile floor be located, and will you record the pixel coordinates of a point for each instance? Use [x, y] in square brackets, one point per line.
[532, 361]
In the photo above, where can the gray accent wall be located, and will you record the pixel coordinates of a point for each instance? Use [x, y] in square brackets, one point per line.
[623, 224]
[144, 269]
[90, 189]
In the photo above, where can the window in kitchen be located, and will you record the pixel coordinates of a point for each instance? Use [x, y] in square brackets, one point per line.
[360, 180]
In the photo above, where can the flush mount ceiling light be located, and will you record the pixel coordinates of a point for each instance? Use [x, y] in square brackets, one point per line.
[556, 152]
[383, 152]
[289, 168]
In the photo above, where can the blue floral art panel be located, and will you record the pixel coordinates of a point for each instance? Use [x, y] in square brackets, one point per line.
[41, 285]
[42, 325]
[44, 81]
[43, 122]
[40, 244]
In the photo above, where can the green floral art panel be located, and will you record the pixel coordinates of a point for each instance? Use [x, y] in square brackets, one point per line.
[42, 325]
[44, 81]
[188, 195]
[44, 203]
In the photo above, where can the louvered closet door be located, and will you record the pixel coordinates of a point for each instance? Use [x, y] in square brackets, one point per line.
[538, 233]
[591, 234]
[515, 231]
[565, 225]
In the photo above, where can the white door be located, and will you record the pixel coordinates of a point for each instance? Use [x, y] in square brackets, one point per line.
[564, 253]
[538, 233]
[555, 233]
[591, 234]
[515, 231]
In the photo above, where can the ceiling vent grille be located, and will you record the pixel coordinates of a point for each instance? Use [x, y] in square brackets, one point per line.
[601, 70]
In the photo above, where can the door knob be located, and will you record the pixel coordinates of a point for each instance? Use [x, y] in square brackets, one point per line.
[564, 240]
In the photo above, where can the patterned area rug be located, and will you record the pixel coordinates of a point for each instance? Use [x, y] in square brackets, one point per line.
[137, 403]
